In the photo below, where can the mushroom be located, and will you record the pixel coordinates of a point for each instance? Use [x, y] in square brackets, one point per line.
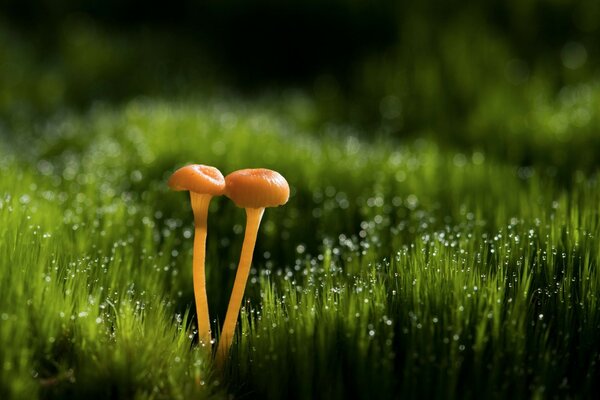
[254, 190]
[203, 182]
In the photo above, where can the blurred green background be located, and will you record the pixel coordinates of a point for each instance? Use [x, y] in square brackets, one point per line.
[515, 79]
[414, 134]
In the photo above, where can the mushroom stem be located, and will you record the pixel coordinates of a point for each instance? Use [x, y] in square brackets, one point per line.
[200, 204]
[253, 217]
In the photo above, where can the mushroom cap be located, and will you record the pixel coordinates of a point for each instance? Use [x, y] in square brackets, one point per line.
[198, 178]
[257, 188]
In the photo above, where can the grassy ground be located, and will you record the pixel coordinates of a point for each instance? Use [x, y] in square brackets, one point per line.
[396, 269]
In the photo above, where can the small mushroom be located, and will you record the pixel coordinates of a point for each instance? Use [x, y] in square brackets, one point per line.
[203, 182]
[254, 190]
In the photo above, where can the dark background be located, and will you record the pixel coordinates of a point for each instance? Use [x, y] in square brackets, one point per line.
[471, 74]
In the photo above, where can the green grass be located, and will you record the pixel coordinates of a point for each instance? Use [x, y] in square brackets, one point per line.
[396, 269]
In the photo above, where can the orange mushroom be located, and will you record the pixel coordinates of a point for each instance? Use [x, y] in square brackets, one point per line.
[254, 190]
[203, 182]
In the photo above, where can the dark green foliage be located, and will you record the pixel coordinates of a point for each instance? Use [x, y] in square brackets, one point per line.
[395, 270]
[441, 239]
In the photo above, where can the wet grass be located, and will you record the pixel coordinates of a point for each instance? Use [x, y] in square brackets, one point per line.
[396, 269]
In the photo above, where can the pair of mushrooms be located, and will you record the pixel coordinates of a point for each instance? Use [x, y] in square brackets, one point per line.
[252, 189]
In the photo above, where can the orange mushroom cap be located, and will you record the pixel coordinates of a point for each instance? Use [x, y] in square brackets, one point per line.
[197, 178]
[257, 188]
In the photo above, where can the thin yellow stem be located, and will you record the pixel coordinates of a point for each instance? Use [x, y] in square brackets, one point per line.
[253, 217]
[200, 204]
